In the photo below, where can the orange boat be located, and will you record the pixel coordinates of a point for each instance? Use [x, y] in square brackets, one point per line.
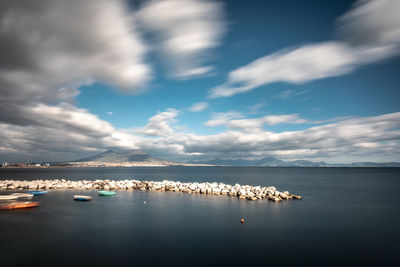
[19, 205]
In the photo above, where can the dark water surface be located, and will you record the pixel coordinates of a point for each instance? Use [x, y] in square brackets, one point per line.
[348, 216]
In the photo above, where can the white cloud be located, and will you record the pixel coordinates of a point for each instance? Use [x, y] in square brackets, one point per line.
[371, 23]
[78, 132]
[343, 138]
[286, 94]
[47, 51]
[245, 124]
[372, 34]
[200, 71]
[160, 124]
[300, 65]
[60, 132]
[110, 113]
[45, 47]
[277, 119]
[230, 120]
[186, 30]
[223, 118]
[197, 107]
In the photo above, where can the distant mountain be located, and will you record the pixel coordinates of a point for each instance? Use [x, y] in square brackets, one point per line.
[274, 162]
[268, 161]
[137, 157]
[307, 163]
[111, 158]
[375, 164]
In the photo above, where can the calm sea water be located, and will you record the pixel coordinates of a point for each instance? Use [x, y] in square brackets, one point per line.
[348, 216]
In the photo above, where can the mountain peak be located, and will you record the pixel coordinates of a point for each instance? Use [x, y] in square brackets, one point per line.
[113, 156]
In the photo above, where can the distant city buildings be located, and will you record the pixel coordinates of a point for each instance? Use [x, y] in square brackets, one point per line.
[24, 164]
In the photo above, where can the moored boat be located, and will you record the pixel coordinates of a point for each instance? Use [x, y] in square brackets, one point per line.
[19, 205]
[8, 197]
[82, 198]
[106, 193]
[22, 195]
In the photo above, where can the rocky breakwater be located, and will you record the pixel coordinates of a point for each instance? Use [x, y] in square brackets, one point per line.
[241, 191]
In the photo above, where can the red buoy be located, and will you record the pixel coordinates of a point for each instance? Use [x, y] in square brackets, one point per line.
[242, 220]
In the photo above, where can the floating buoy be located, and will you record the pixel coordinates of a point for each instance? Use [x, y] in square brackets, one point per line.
[242, 220]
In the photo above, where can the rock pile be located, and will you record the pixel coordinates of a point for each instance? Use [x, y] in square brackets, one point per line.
[241, 191]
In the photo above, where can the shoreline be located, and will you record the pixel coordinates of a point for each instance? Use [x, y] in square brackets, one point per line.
[240, 191]
[221, 166]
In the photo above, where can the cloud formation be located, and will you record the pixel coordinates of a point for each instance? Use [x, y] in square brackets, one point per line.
[185, 31]
[373, 23]
[46, 46]
[251, 124]
[236, 121]
[361, 138]
[197, 107]
[49, 49]
[78, 132]
[59, 133]
[47, 54]
[370, 34]
[222, 118]
[160, 124]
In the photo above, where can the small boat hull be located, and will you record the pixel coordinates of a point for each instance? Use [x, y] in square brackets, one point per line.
[22, 195]
[19, 205]
[106, 193]
[8, 197]
[82, 198]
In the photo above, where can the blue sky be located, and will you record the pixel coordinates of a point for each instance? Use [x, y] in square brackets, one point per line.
[253, 31]
[289, 79]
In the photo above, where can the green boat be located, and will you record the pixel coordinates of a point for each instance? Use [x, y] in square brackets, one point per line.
[106, 193]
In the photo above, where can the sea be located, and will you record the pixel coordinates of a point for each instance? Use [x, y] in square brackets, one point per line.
[347, 217]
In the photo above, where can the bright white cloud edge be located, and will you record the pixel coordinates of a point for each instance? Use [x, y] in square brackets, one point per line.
[186, 32]
[356, 138]
[52, 127]
[378, 41]
[200, 106]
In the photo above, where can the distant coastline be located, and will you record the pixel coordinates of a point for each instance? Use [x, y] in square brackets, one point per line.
[104, 166]
[185, 165]
[138, 158]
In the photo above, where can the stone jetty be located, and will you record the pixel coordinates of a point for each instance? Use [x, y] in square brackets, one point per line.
[241, 191]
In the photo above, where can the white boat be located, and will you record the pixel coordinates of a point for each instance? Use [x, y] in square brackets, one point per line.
[7, 197]
[82, 198]
[22, 195]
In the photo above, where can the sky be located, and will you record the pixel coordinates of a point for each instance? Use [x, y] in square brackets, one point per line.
[190, 80]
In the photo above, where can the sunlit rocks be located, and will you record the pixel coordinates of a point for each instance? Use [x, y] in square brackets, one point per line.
[283, 195]
[240, 191]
